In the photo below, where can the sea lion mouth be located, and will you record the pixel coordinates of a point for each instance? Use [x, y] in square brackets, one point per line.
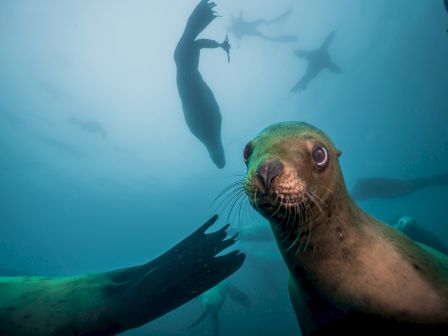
[278, 208]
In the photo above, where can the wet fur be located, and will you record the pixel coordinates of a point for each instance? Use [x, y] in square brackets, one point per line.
[353, 268]
[113, 302]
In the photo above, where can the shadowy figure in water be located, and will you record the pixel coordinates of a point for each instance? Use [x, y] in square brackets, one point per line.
[69, 149]
[413, 230]
[318, 60]
[200, 108]
[239, 27]
[379, 187]
[88, 126]
[446, 7]
[213, 299]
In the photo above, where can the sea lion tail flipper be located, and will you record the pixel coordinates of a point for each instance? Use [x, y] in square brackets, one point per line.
[201, 318]
[238, 295]
[215, 323]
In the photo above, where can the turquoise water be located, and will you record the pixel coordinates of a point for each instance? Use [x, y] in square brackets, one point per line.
[98, 169]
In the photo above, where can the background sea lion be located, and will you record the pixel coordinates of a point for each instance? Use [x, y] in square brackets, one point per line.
[383, 187]
[112, 302]
[213, 299]
[318, 60]
[413, 230]
[240, 27]
[349, 273]
[200, 108]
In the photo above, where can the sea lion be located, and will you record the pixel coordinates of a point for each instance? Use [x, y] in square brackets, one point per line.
[112, 302]
[349, 273]
[253, 233]
[318, 60]
[213, 299]
[240, 27]
[200, 108]
[88, 126]
[383, 187]
[409, 226]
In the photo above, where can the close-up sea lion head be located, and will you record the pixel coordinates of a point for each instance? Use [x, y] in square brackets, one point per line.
[292, 167]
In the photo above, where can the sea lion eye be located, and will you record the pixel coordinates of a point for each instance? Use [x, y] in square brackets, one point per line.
[320, 156]
[247, 152]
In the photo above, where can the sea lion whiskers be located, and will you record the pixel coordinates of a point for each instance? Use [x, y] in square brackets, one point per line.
[239, 196]
[228, 193]
[278, 208]
[230, 187]
[298, 235]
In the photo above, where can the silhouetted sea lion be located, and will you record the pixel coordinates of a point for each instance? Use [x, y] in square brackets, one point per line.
[382, 187]
[213, 299]
[318, 60]
[200, 108]
[112, 302]
[413, 230]
[240, 27]
[88, 126]
[350, 274]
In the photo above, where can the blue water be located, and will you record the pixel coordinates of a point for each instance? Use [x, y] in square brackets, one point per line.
[77, 199]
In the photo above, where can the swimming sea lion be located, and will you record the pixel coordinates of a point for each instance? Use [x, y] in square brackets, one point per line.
[349, 273]
[409, 226]
[112, 302]
[200, 108]
[318, 60]
[213, 299]
[253, 233]
[383, 187]
[240, 27]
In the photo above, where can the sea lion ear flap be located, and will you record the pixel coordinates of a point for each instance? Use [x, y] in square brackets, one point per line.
[338, 153]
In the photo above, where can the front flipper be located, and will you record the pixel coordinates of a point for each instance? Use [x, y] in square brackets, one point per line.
[328, 41]
[177, 276]
[201, 17]
[303, 54]
[238, 295]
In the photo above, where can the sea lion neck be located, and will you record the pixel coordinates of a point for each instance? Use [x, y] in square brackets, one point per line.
[331, 230]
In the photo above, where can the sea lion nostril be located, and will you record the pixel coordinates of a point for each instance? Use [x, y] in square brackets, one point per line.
[268, 171]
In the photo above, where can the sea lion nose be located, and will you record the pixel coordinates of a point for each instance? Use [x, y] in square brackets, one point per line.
[269, 170]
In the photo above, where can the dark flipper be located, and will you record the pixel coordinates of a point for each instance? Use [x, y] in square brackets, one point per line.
[215, 323]
[238, 295]
[201, 318]
[302, 54]
[200, 18]
[328, 41]
[177, 276]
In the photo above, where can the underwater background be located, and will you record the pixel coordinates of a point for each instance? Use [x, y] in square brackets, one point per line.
[98, 169]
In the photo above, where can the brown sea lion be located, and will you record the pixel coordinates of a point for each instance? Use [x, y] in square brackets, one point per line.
[349, 273]
[109, 303]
